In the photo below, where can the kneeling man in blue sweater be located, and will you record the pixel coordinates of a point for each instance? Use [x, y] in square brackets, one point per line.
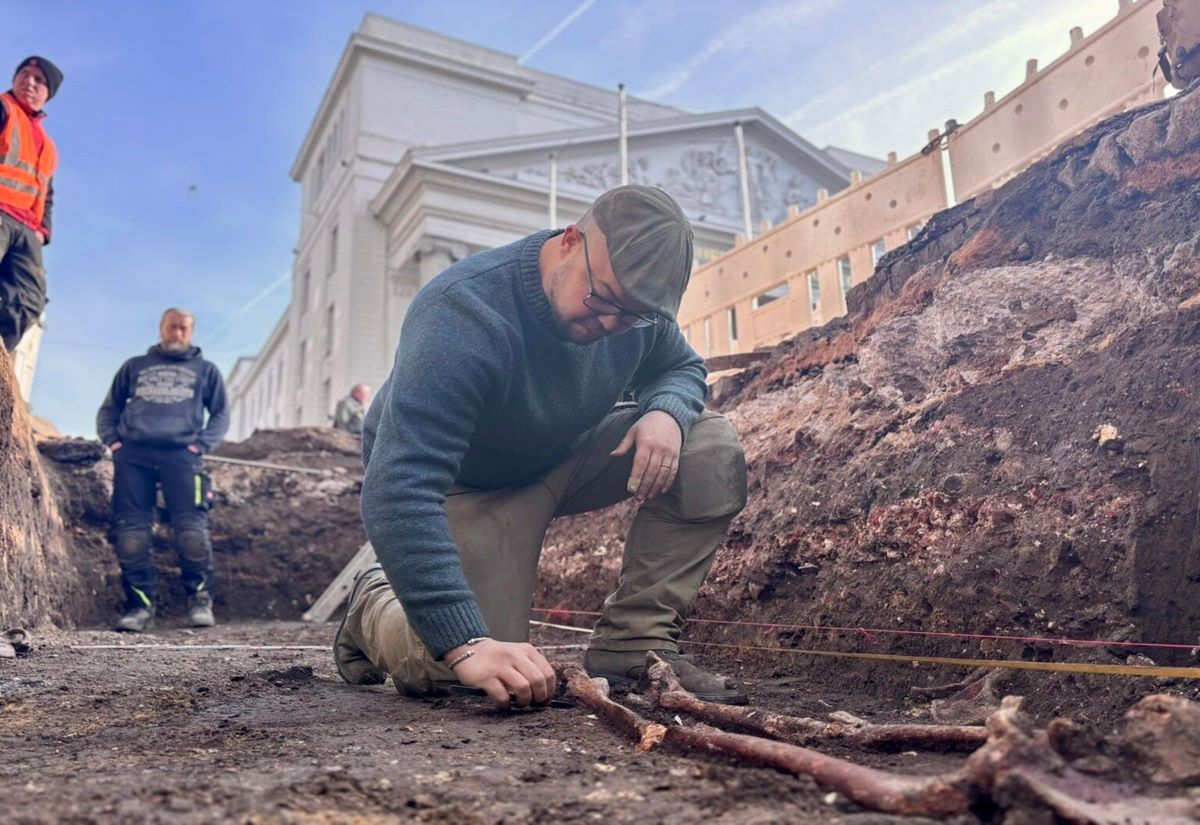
[501, 413]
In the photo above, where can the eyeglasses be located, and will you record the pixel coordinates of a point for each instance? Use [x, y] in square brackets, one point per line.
[604, 306]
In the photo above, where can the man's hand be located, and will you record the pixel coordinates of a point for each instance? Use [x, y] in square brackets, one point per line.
[41, 236]
[656, 439]
[192, 448]
[511, 673]
[116, 445]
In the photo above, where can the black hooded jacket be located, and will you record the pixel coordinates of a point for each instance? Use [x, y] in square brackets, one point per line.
[159, 399]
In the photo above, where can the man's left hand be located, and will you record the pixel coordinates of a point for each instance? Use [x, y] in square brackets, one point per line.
[657, 440]
[192, 448]
[41, 236]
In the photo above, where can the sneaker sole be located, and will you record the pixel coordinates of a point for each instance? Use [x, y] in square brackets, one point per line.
[342, 626]
[148, 625]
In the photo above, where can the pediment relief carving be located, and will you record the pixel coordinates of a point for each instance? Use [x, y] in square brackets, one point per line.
[702, 176]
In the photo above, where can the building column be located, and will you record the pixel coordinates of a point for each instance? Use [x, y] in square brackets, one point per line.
[435, 255]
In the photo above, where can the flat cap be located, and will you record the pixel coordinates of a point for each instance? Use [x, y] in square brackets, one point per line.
[649, 244]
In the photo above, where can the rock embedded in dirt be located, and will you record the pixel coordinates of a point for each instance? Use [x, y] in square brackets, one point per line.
[72, 450]
[1161, 737]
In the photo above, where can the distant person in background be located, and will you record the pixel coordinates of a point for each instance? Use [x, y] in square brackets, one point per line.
[153, 421]
[352, 409]
[28, 160]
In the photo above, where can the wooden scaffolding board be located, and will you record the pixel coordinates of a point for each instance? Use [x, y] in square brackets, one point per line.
[336, 593]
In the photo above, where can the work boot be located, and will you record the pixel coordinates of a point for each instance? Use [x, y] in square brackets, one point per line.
[352, 664]
[627, 669]
[136, 619]
[200, 612]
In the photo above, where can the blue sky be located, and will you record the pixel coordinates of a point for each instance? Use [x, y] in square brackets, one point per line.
[164, 96]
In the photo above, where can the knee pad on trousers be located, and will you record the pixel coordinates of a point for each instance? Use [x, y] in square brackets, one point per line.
[193, 545]
[712, 471]
[132, 546]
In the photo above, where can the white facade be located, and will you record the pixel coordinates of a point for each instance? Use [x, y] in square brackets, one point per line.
[426, 149]
[256, 387]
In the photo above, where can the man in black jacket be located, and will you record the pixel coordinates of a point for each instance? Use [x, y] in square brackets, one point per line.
[153, 421]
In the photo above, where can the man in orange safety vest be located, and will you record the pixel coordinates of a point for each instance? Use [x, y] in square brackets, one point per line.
[28, 159]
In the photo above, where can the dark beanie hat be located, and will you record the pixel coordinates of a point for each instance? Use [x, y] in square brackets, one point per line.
[54, 77]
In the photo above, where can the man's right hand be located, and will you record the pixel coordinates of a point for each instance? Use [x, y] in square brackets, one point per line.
[116, 445]
[511, 673]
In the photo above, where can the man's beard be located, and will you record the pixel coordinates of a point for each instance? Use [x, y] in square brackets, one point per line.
[174, 346]
[563, 327]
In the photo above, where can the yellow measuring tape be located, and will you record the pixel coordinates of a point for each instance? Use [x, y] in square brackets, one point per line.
[1058, 667]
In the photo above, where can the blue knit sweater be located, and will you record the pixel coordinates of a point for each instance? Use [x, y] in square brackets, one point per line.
[483, 393]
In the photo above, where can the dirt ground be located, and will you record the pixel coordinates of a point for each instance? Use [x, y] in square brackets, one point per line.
[263, 736]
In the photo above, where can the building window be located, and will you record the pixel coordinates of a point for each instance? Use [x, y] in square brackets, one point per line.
[305, 289]
[878, 250]
[327, 401]
[333, 250]
[707, 336]
[814, 291]
[772, 294]
[845, 275]
[330, 313]
[915, 230]
[303, 362]
[733, 330]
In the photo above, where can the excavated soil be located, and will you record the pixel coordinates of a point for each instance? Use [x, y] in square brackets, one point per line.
[279, 537]
[999, 439]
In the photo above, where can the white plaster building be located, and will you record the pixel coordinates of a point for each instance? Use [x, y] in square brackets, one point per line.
[426, 149]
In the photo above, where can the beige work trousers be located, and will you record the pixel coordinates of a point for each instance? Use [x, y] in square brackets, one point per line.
[668, 551]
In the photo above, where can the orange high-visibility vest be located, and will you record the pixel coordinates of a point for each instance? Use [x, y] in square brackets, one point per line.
[24, 171]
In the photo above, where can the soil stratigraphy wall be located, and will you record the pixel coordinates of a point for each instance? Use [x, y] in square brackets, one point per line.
[37, 582]
[1001, 435]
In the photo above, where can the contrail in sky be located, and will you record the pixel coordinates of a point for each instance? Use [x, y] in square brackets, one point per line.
[267, 290]
[556, 31]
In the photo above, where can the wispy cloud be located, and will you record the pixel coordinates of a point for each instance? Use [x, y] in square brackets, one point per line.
[263, 294]
[556, 31]
[948, 40]
[944, 75]
[745, 34]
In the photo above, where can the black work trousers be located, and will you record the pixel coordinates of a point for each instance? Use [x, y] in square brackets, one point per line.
[137, 468]
[22, 280]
